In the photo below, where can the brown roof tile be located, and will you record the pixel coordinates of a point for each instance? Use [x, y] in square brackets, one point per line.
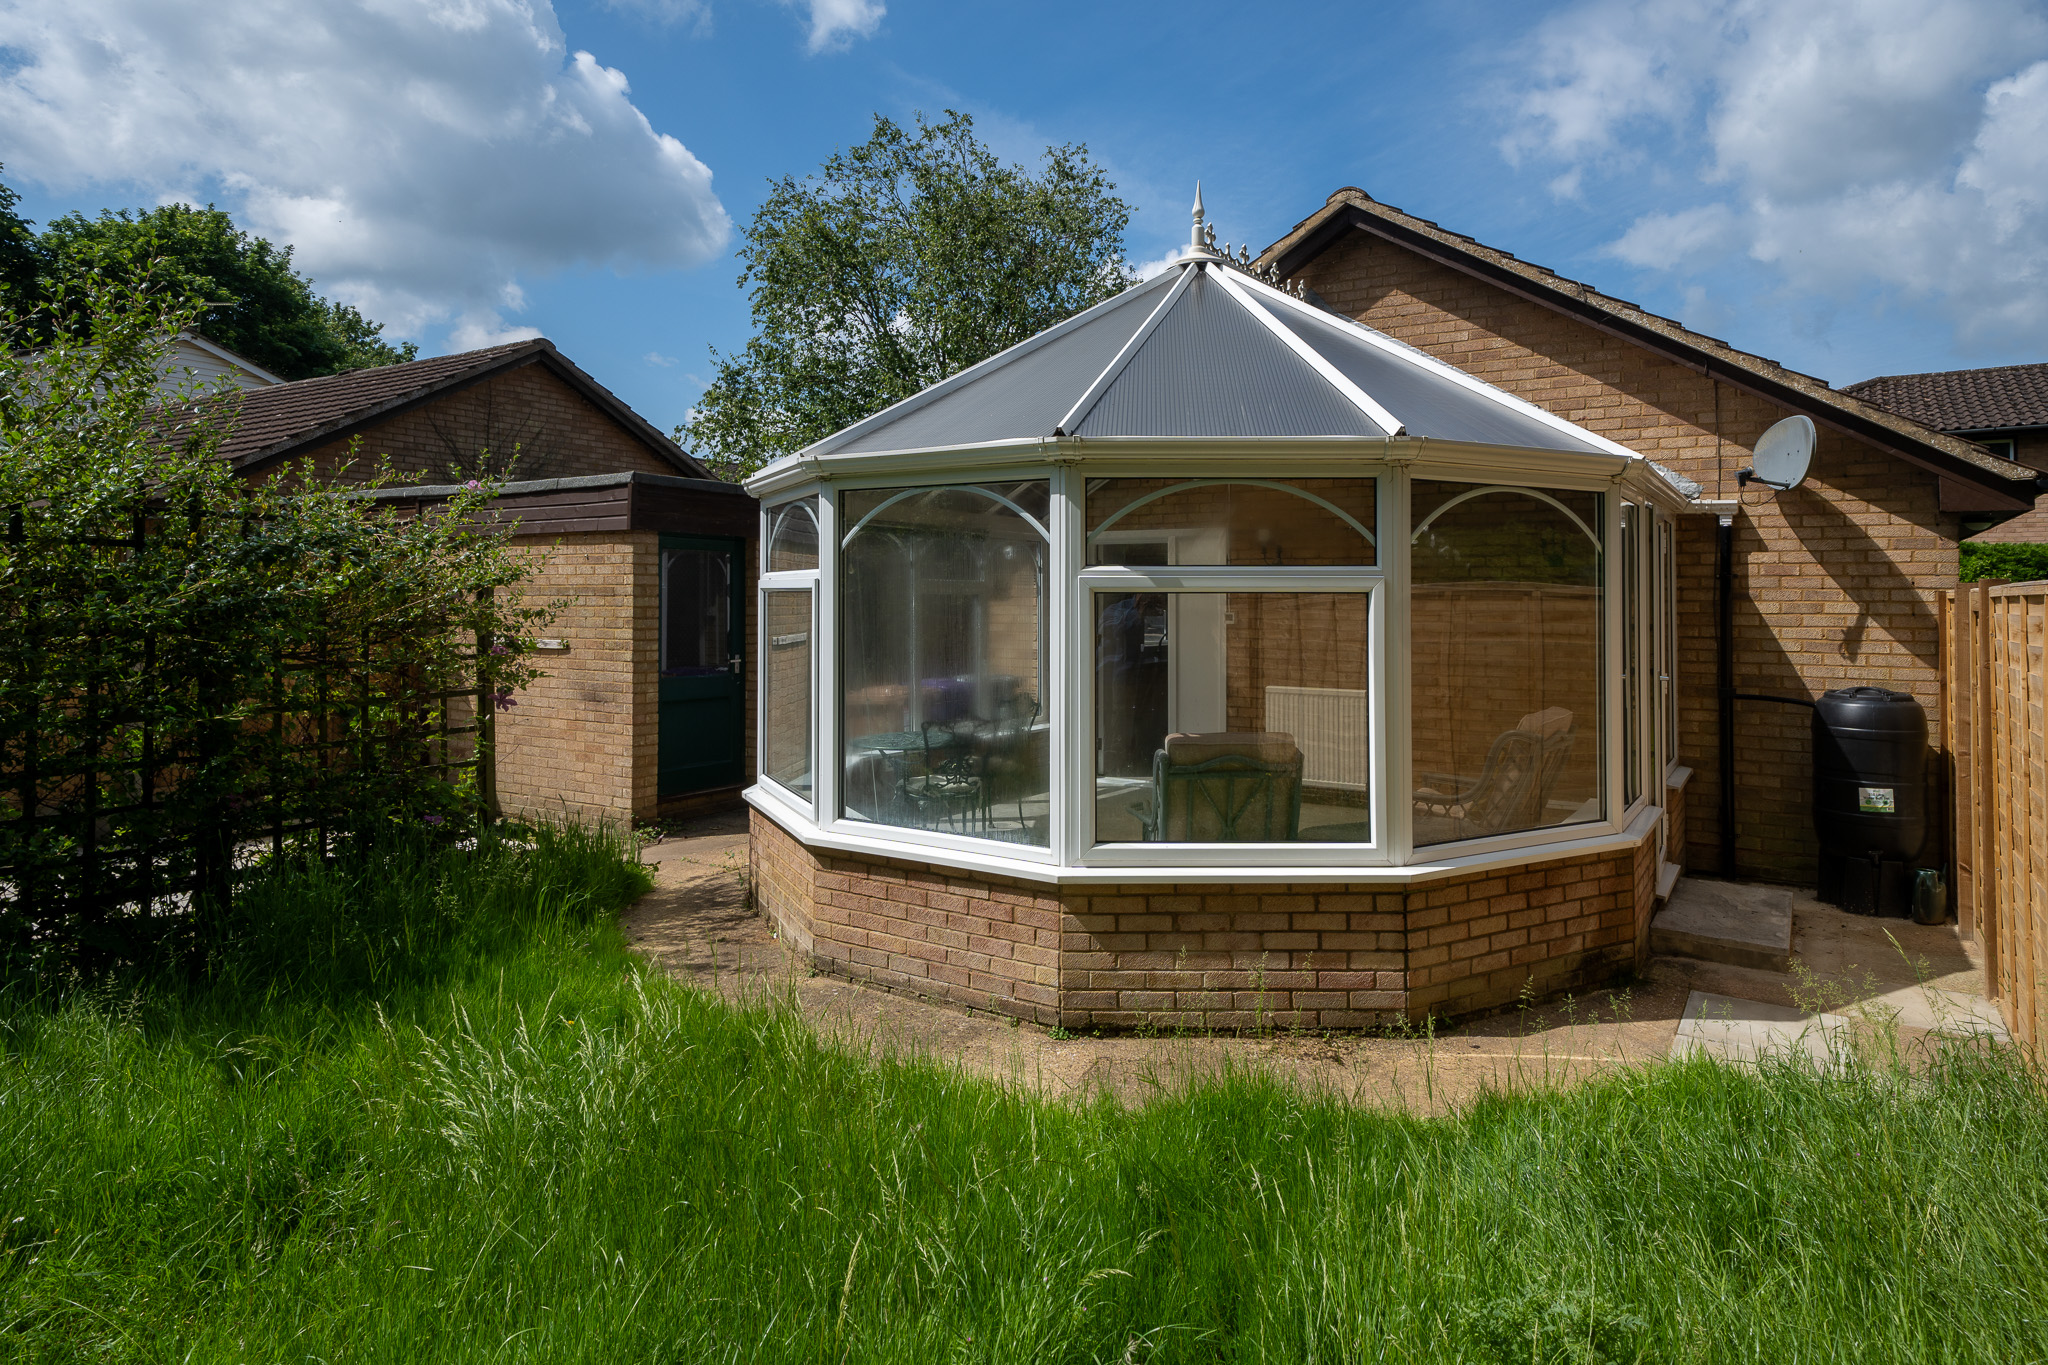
[275, 420]
[1994, 399]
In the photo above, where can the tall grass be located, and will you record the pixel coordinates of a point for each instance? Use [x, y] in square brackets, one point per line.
[442, 1116]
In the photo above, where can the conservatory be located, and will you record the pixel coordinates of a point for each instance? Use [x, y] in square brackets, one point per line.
[1211, 654]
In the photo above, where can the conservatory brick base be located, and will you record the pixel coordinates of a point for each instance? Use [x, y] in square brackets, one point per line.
[1206, 956]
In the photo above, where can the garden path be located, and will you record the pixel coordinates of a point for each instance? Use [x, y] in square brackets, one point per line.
[697, 926]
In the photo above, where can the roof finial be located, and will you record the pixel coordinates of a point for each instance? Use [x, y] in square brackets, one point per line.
[1195, 242]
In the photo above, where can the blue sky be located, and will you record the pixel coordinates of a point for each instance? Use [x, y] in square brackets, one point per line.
[1850, 188]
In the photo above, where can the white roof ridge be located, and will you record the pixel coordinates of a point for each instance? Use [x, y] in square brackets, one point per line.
[1374, 411]
[1471, 383]
[1092, 395]
[903, 407]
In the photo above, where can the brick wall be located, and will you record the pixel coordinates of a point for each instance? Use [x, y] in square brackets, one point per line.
[582, 740]
[1208, 957]
[984, 942]
[1838, 580]
[555, 431]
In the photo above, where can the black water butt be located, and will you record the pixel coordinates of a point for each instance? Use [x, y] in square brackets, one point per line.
[1869, 796]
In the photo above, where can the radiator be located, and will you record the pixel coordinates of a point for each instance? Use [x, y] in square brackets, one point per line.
[1332, 725]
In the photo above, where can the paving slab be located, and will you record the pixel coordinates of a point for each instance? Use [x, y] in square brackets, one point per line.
[1737, 1030]
[1744, 924]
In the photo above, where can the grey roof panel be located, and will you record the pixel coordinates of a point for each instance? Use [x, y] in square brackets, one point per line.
[1428, 404]
[1212, 369]
[1023, 397]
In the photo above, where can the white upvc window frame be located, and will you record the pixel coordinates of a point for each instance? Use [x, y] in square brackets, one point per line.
[832, 818]
[1612, 821]
[1068, 697]
[788, 580]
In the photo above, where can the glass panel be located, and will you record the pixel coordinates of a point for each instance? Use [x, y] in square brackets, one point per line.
[696, 613]
[943, 654]
[1232, 717]
[1219, 521]
[1505, 648]
[1631, 652]
[1667, 637]
[786, 690]
[793, 535]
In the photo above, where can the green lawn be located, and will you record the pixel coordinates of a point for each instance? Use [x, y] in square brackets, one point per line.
[436, 1113]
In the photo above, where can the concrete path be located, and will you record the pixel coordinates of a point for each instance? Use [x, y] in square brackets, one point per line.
[697, 925]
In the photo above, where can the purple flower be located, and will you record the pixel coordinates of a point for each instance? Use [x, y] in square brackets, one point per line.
[472, 485]
[500, 650]
[436, 820]
[504, 699]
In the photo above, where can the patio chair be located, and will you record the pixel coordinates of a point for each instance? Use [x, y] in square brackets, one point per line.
[1512, 789]
[1010, 767]
[1225, 788]
[949, 790]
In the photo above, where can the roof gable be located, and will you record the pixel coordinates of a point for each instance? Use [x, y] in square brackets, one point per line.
[275, 421]
[2004, 483]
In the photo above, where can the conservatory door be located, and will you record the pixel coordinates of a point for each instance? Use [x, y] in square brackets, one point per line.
[703, 676]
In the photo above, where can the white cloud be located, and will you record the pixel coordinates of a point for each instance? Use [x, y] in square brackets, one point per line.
[420, 155]
[1667, 241]
[658, 360]
[1845, 144]
[836, 23]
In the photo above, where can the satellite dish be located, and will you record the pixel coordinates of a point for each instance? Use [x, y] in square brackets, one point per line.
[1782, 455]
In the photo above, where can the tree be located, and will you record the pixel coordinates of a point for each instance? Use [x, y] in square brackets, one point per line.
[904, 260]
[20, 254]
[259, 306]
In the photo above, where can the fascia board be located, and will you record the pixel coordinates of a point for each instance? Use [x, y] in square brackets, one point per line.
[905, 406]
[1425, 361]
[1235, 284]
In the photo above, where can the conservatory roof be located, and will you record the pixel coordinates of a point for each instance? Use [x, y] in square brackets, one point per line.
[1208, 350]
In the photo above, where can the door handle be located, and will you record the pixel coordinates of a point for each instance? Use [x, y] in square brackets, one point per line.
[734, 664]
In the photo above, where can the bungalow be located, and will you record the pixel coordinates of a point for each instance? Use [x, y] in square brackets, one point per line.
[1373, 628]
[2003, 408]
[646, 703]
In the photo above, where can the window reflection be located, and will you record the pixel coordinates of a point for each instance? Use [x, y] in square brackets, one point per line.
[943, 656]
[786, 688]
[1505, 647]
[793, 535]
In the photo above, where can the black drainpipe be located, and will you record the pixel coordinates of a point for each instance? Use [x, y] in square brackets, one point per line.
[1724, 661]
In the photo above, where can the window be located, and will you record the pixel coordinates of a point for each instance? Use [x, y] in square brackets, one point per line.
[1232, 717]
[793, 536]
[1259, 522]
[1632, 522]
[1505, 658]
[943, 657]
[1232, 699]
[787, 732]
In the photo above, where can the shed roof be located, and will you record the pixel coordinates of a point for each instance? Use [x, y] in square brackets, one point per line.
[1208, 350]
[2000, 398]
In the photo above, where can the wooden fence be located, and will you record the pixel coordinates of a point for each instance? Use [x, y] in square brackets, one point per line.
[1995, 704]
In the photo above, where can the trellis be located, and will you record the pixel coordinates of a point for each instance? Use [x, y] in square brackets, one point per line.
[143, 778]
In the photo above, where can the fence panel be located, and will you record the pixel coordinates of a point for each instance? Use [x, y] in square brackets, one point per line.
[1995, 694]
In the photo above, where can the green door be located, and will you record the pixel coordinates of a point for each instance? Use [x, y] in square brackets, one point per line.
[703, 665]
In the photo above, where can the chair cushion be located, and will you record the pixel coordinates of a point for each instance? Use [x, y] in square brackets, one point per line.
[1550, 721]
[1267, 746]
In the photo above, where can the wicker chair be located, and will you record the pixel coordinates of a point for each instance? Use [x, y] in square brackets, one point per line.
[1512, 789]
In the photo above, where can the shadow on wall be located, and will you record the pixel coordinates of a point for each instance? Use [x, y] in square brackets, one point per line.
[1865, 573]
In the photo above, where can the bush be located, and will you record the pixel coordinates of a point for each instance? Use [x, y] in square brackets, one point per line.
[2013, 563]
[192, 661]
